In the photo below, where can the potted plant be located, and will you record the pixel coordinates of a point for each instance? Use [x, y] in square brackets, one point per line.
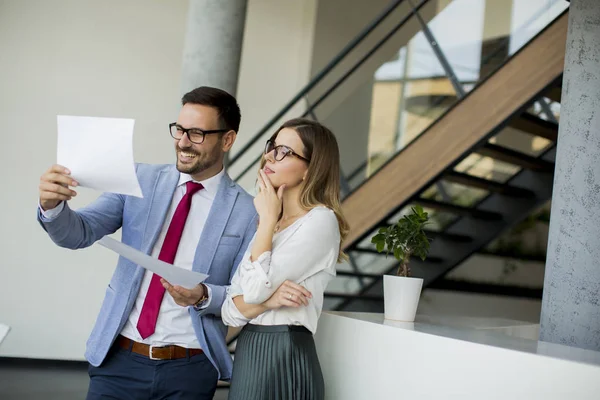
[404, 239]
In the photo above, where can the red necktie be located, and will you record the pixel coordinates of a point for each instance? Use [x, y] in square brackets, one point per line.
[147, 321]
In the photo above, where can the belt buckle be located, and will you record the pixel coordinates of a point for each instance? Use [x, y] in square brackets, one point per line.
[152, 347]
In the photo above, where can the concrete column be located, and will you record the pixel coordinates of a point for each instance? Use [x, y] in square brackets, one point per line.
[213, 44]
[571, 300]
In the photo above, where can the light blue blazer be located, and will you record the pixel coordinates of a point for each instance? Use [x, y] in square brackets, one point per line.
[229, 229]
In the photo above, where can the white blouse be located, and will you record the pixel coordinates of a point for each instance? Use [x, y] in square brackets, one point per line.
[306, 253]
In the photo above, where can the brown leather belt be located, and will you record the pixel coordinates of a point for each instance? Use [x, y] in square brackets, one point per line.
[170, 352]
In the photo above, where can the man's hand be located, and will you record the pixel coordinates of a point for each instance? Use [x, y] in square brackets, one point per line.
[182, 296]
[54, 187]
[289, 294]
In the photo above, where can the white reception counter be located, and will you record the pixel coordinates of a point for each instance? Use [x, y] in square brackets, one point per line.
[366, 357]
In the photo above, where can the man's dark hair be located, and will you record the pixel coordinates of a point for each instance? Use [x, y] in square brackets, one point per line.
[225, 104]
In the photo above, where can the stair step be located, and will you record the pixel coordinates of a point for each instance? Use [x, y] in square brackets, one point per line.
[514, 157]
[432, 259]
[459, 210]
[535, 126]
[452, 237]
[491, 186]
[554, 93]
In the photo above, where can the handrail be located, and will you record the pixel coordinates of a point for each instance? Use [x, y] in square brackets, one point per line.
[319, 77]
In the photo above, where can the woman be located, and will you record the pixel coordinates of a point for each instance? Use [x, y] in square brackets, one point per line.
[277, 291]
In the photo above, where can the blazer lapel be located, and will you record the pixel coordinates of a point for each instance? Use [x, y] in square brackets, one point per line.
[162, 195]
[215, 225]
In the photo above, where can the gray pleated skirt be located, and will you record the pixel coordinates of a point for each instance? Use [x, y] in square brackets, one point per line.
[276, 363]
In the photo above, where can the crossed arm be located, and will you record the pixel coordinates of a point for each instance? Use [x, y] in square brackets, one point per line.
[281, 298]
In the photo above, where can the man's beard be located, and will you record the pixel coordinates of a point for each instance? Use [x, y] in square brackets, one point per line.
[201, 163]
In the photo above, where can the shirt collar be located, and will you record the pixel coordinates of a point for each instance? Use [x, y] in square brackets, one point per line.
[211, 185]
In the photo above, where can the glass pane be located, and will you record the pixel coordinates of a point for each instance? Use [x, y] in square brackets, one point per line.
[539, 111]
[529, 17]
[487, 168]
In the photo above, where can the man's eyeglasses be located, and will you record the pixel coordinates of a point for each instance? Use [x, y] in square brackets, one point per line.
[194, 134]
[281, 151]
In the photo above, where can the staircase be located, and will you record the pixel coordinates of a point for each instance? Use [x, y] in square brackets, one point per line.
[451, 170]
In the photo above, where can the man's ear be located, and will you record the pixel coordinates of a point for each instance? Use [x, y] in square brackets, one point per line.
[228, 140]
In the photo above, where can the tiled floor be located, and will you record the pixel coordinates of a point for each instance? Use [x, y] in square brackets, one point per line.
[44, 381]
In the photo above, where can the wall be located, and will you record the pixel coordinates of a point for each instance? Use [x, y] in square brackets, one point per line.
[97, 58]
[80, 58]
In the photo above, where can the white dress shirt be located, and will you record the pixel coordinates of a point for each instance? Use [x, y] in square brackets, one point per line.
[306, 253]
[174, 325]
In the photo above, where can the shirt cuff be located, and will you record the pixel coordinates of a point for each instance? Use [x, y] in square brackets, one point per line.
[259, 269]
[234, 312]
[206, 302]
[49, 215]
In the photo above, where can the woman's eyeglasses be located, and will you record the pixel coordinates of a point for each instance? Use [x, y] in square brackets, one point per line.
[281, 151]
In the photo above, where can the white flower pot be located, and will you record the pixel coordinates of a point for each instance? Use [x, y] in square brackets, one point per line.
[401, 297]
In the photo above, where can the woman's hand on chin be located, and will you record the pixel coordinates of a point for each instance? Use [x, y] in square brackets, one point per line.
[269, 201]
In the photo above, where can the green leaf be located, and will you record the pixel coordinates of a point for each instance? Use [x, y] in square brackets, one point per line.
[398, 253]
[380, 246]
[378, 238]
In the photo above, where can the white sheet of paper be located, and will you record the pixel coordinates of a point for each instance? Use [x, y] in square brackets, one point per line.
[3, 331]
[173, 274]
[99, 153]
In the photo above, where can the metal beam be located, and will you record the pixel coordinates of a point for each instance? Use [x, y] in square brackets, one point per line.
[514, 157]
[451, 237]
[520, 257]
[485, 184]
[459, 210]
[443, 235]
[432, 259]
[545, 104]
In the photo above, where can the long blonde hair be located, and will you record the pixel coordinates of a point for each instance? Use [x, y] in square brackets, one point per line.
[322, 183]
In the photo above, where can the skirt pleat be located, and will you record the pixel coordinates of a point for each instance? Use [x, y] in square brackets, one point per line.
[276, 363]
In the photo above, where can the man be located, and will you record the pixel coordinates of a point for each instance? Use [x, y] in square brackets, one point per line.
[153, 340]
